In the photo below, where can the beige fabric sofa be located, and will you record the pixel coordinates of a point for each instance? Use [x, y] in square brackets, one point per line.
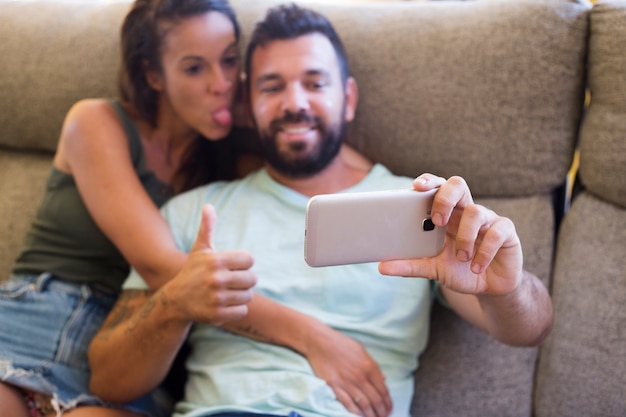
[492, 90]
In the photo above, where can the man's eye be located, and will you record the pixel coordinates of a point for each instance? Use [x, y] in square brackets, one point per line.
[317, 85]
[270, 88]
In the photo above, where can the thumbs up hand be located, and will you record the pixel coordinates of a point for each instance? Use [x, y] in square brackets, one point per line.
[213, 287]
[204, 239]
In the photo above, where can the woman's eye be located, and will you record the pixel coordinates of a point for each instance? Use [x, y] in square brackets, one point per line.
[231, 61]
[193, 69]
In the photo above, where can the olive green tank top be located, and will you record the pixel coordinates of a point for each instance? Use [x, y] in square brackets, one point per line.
[65, 241]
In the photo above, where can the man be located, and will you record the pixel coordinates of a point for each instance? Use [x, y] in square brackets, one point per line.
[301, 98]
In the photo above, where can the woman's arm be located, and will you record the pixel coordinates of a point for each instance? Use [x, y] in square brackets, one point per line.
[94, 149]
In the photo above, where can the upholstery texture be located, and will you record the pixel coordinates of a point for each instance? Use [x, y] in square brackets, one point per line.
[603, 141]
[53, 55]
[22, 178]
[582, 370]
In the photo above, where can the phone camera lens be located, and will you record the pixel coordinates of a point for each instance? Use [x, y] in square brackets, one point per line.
[428, 225]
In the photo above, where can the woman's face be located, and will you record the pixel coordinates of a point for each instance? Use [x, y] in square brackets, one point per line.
[200, 72]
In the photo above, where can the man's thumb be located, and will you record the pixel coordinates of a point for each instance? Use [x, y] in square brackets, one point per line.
[204, 240]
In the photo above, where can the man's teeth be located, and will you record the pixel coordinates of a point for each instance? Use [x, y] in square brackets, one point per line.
[297, 130]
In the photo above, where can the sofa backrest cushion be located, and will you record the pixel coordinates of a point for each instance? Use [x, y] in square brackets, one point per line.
[53, 54]
[582, 366]
[603, 134]
[490, 90]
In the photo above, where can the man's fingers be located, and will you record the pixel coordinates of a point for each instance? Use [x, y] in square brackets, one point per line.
[204, 239]
[481, 234]
[475, 219]
[500, 236]
[426, 182]
[453, 194]
[347, 401]
[227, 261]
[363, 403]
[422, 267]
[231, 303]
[230, 313]
[234, 260]
[376, 398]
[381, 387]
[242, 280]
[237, 297]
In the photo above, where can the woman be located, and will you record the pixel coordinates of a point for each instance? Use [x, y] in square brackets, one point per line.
[116, 163]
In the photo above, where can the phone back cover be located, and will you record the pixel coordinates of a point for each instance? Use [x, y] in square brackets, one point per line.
[349, 228]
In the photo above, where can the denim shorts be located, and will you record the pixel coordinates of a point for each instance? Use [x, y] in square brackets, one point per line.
[47, 325]
[244, 414]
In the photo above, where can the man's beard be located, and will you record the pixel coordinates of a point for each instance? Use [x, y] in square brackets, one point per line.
[302, 165]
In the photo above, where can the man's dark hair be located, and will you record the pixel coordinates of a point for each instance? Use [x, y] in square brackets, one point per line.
[288, 22]
[141, 41]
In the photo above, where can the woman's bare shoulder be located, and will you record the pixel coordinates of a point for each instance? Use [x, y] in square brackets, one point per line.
[90, 108]
[88, 125]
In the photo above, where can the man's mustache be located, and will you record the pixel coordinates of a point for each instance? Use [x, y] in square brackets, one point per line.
[291, 117]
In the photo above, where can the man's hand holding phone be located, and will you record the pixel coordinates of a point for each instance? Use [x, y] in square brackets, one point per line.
[480, 268]
[482, 252]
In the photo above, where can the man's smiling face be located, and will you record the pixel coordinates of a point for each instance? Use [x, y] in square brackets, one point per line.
[298, 103]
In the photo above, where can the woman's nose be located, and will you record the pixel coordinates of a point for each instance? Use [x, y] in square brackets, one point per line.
[218, 82]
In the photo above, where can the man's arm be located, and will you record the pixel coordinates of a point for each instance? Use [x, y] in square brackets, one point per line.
[138, 327]
[142, 326]
[521, 318]
[339, 360]
[142, 334]
[481, 267]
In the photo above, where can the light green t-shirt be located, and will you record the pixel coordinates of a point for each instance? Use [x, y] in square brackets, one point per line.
[388, 315]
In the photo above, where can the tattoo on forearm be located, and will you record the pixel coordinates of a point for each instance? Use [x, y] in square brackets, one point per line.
[145, 310]
[163, 299]
[253, 333]
[122, 311]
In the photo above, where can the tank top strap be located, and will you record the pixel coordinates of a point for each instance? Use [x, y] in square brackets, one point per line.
[158, 190]
[132, 134]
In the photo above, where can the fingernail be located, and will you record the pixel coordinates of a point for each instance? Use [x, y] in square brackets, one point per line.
[462, 256]
[437, 219]
[422, 180]
[477, 268]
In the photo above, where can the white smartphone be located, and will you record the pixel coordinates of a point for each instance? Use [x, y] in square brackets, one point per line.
[350, 228]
